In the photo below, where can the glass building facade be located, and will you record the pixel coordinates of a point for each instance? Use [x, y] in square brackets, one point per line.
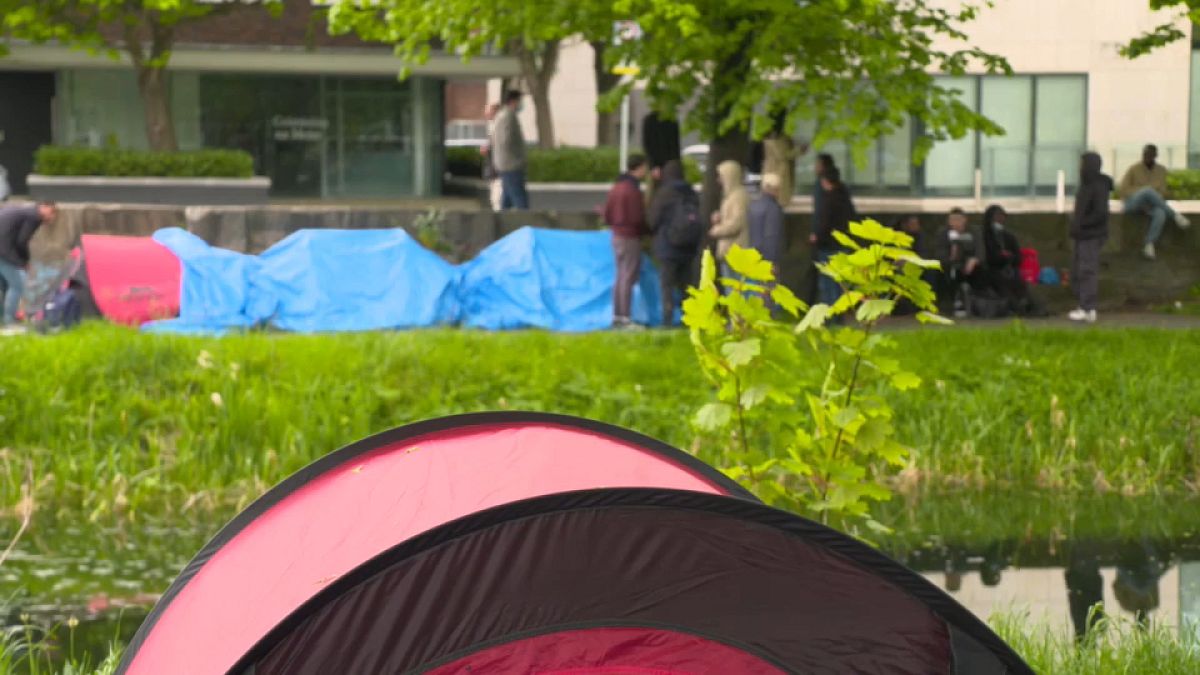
[1045, 123]
[314, 136]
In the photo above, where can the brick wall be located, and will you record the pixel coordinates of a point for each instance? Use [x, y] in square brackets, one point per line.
[465, 100]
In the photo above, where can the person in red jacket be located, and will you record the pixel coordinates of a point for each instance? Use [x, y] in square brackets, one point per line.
[625, 213]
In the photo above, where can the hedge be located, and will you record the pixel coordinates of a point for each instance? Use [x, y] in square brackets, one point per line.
[1184, 184]
[560, 165]
[112, 162]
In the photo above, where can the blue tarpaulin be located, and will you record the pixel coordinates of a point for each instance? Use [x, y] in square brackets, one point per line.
[214, 286]
[553, 279]
[352, 280]
[314, 280]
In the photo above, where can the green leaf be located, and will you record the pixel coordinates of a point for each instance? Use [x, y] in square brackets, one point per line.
[846, 241]
[872, 230]
[905, 380]
[816, 317]
[846, 417]
[750, 264]
[742, 352]
[783, 296]
[755, 395]
[930, 317]
[874, 308]
[714, 416]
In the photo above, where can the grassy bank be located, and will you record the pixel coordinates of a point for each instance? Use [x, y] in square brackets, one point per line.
[112, 422]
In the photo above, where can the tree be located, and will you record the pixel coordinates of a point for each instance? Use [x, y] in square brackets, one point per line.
[530, 31]
[142, 29]
[1165, 33]
[857, 68]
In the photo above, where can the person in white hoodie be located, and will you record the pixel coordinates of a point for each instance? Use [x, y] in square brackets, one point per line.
[731, 224]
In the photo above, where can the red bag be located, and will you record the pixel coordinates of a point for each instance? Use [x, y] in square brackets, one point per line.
[1030, 266]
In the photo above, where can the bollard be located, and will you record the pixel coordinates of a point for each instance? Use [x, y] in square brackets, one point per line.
[1061, 191]
[978, 189]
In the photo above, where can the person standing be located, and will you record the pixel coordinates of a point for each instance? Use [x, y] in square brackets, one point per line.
[495, 192]
[824, 162]
[17, 227]
[675, 222]
[780, 154]
[729, 224]
[766, 221]
[1089, 230]
[508, 154]
[836, 212]
[1144, 190]
[625, 213]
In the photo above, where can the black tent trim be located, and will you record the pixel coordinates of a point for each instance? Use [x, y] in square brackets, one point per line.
[409, 433]
[963, 626]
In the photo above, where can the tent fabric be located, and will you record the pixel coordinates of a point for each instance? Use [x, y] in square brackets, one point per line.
[360, 501]
[786, 590]
[623, 651]
[553, 279]
[132, 279]
[214, 295]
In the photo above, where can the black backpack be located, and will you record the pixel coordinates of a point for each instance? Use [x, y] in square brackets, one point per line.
[685, 229]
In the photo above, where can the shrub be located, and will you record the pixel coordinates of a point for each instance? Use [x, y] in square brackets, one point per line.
[559, 165]
[1184, 184]
[464, 162]
[82, 161]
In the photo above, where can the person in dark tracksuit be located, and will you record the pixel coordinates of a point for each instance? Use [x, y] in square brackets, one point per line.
[1089, 229]
[676, 259]
[18, 223]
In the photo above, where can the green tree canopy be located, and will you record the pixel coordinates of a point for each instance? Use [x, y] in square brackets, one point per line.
[1166, 33]
[142, 29]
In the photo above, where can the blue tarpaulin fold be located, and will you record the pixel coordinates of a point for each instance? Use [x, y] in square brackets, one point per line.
[554, 279]
[213, 288]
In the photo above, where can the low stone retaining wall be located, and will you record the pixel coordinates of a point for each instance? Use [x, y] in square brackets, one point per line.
[87, 189]
[1127, 279]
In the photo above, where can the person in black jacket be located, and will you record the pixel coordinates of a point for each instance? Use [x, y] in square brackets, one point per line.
[834, 213]
[1002, 263]
[17, 226]
[1089, 229]
[673, 205]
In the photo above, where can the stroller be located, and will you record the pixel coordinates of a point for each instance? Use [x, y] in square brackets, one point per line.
[53, 297]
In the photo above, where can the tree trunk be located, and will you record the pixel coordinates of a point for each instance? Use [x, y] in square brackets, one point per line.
[538, 68]
[156, 102]
[608, 130]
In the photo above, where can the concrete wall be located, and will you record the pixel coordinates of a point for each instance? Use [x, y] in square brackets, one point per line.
[1127, 281]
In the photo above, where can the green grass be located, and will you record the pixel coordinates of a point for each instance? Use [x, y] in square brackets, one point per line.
[114, 422]
[1117, 647]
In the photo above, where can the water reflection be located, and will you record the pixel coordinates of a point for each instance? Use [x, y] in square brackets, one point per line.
[1073, 585]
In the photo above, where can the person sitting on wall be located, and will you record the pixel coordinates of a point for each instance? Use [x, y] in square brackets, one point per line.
[962, 273]
[1144, 190]
[922, 246]
[1002, 263]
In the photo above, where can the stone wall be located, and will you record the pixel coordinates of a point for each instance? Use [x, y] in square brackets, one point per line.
[1127, 279]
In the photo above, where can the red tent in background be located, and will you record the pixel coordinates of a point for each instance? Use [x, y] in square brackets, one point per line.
[523, 542]
[132, 280]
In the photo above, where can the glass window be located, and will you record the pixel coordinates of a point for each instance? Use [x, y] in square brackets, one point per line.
[895, 151]
[1060, 129]
[950, 165]
[1005, 160]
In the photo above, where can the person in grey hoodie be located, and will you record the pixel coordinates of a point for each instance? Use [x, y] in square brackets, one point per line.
[508, 154]
[1089, 229]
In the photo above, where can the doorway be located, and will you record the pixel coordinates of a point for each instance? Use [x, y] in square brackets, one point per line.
[26, 122]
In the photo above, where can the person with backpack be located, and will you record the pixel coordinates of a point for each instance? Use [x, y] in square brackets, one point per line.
[678, 230]
[18, 223]
[1089, 230]
[625, 213]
